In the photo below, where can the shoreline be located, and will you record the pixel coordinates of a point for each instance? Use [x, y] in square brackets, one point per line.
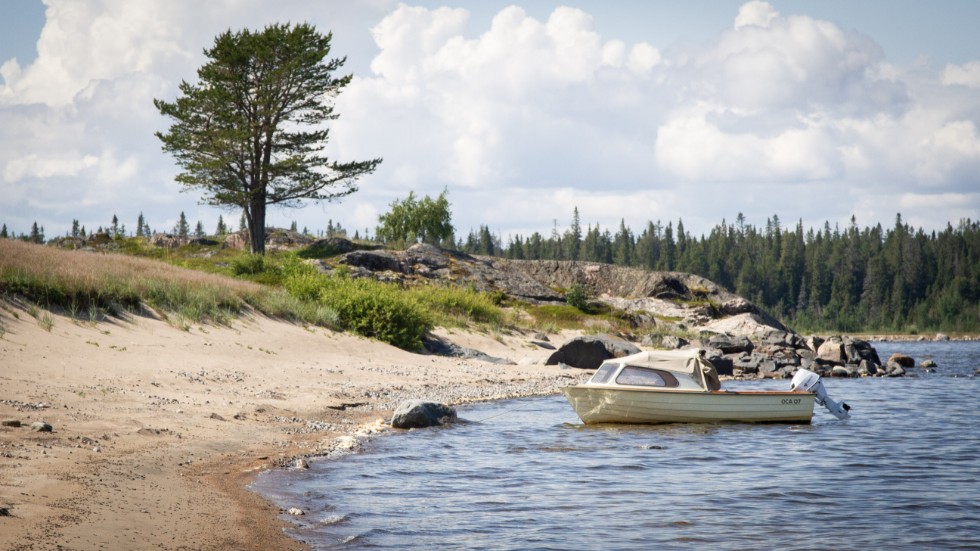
[158, 432]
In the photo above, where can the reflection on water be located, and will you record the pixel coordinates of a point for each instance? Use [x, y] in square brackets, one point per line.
[901, 473]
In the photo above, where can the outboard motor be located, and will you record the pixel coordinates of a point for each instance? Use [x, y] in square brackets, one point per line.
[808, 381]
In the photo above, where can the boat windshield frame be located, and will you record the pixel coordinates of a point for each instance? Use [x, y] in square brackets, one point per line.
[638, 375]
[604, 373]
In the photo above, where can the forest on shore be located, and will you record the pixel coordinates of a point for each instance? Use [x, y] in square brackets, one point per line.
[871, 279]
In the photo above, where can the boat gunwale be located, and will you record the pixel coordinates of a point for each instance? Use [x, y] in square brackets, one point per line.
[683, 391]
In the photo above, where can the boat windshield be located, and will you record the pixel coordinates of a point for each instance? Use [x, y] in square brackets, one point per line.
[604, 373]
[644, 376]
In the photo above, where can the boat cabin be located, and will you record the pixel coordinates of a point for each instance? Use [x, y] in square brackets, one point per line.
[664, 369]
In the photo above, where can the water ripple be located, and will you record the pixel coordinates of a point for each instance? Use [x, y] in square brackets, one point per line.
[902, 473]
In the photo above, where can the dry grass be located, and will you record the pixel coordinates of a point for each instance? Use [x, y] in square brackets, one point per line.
[90, 283]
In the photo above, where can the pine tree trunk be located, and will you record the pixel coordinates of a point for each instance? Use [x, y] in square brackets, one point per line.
[256, 228]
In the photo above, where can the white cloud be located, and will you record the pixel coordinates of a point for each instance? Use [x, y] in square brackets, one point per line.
[967, 74]
[755, 13]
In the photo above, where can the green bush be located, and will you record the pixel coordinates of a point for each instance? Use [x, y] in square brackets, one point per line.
[377, 310]
[576, 297]
[250, 264]
[364, 306]
[456, 306]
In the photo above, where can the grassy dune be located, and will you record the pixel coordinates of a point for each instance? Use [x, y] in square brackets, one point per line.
[88, 285]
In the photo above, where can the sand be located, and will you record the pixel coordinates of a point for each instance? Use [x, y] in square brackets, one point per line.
[157, 430]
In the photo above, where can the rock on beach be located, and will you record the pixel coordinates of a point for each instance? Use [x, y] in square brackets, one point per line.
[415, 414]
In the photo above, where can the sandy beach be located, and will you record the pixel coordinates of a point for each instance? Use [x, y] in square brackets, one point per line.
[157, 431]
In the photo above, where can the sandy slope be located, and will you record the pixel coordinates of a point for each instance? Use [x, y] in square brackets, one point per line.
[157, 431]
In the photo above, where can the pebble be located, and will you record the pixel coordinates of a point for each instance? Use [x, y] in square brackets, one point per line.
[295, 511]
[41, 426]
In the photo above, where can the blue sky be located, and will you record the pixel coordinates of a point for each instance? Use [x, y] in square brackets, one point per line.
[634, 111]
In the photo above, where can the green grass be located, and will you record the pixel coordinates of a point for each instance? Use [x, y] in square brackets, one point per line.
[96, 283]
[199, 284]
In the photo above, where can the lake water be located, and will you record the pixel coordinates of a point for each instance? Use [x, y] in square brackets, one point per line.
[902, 473]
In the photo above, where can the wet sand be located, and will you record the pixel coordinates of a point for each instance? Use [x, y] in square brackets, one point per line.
[157, 431]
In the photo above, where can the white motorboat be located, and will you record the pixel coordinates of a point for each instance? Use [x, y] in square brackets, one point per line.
[681, 386]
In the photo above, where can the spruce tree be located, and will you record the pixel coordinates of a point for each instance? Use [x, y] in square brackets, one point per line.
[37, 234]
[183, 228]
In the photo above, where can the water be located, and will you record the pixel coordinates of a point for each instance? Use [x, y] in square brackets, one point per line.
[902, 473]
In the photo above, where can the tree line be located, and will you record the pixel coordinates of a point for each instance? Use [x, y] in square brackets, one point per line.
[853, 279]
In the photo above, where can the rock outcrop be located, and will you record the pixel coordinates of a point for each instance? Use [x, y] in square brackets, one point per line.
[778, 354]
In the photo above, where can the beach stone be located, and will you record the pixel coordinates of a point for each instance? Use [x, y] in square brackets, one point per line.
[902, 360]
[301, 464]
[588, 352]
[296, 511]
[10, 423]
[414, 414]
[941, 337]
[41, 426]
[928, 363]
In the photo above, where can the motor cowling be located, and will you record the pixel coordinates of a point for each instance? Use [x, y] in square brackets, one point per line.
[808, 381]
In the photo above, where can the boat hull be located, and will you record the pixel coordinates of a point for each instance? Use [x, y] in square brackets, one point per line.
[595, 404]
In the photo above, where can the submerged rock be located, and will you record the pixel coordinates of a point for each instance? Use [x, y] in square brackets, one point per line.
[416, 414]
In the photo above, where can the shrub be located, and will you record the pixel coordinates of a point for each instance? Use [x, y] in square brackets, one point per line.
[377, 310]
[576, 297]
[457, 306]
[250, 264]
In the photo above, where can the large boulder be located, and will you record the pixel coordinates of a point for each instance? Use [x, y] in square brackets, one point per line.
[730, 344]
[588, 352]
[832, 352]
[375, 261]
[858, 350]
[278, 239]
[331, 246]
[416, 414]
[901, 360]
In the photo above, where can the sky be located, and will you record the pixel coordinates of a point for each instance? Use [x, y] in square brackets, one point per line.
[629, 111]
